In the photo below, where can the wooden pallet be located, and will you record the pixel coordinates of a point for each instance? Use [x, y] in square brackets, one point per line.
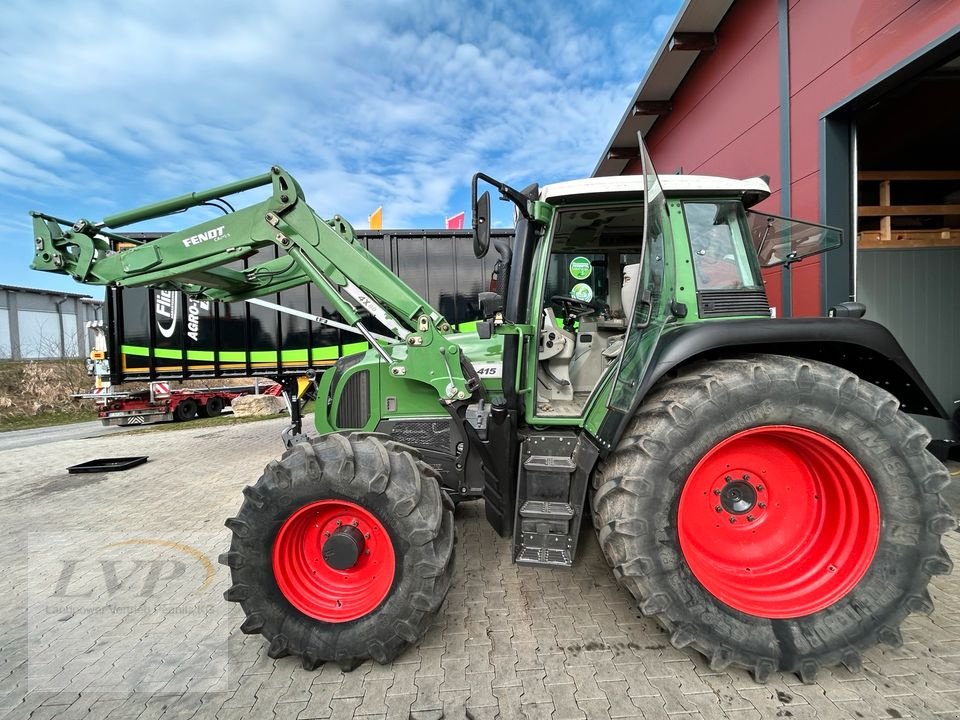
[887, 237]
[873, 239]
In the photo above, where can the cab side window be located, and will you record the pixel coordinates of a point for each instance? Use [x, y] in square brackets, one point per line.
[716, 245]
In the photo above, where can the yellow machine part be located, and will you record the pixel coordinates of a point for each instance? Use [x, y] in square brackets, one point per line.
[303, 383]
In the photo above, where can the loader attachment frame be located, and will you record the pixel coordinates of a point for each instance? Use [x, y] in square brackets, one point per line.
[325, 253]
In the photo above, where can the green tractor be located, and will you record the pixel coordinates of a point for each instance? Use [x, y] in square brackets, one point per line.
[755, 483]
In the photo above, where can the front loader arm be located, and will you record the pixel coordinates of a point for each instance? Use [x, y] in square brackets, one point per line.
[326, 253]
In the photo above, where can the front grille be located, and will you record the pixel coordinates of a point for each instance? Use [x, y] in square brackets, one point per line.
[354, 409]
[430, 435]
[340, 367]
[721, 303]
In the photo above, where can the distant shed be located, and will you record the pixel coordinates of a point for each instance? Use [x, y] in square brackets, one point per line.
[45, 324]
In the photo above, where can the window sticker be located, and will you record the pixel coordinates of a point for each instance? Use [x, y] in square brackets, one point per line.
[581, 268]
[581, 292]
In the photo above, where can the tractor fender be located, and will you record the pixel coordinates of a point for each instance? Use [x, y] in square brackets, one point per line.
[863, 347]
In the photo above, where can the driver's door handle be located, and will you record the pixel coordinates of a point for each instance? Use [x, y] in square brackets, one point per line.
[645, 300]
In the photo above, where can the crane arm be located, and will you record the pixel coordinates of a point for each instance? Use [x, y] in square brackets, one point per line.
[326, 253]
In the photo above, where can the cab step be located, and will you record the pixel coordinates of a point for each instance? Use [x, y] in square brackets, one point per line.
[547, 510]
[546, 463]
[551, 489]
[545, 556]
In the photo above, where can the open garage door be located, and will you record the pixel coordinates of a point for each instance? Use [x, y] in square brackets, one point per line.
[907, 262]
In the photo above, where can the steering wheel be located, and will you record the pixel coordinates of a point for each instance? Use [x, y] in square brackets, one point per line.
[573, 309]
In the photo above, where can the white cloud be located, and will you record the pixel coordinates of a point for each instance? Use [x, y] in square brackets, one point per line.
[393, 103]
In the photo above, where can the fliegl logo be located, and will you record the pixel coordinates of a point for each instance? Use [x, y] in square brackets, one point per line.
[214, 234]
[166, 307]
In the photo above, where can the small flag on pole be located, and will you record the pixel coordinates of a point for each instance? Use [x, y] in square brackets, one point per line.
[376, 219]
[456, 222]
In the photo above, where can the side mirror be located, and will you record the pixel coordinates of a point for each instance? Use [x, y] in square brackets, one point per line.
[481, 226]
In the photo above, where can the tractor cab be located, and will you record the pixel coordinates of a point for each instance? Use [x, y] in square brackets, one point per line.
[596, 271]
[616, 259]
[608, 264]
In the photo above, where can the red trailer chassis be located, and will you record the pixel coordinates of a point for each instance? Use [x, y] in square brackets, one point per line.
[149, 406]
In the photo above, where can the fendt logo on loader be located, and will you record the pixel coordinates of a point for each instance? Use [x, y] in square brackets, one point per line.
[214, 234]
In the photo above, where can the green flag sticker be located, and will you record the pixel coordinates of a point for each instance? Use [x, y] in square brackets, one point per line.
[580, 268]
[581, 292]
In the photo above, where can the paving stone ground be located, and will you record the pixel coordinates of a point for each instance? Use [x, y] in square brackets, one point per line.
[110, 599]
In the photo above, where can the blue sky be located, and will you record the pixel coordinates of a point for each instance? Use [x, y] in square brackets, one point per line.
[108, 105]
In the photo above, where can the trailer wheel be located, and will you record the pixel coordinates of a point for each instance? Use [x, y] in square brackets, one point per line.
[212, 407]
[342, 551]
[186, 409]
[774, 513]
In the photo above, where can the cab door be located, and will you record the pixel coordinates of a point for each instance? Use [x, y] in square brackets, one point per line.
[653, 298]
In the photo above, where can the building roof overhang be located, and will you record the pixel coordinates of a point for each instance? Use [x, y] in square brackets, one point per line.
[692, 32]
[42, 291]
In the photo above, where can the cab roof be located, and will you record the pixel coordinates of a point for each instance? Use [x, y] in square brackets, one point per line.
[751, 191]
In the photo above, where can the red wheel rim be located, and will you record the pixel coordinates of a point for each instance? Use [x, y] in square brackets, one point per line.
[316, 588]
[778, 521]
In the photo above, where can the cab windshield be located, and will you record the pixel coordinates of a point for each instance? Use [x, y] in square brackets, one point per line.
[590, 249]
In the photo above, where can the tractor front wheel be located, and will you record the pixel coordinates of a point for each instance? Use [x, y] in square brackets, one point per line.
[774, 513]
[342, 550]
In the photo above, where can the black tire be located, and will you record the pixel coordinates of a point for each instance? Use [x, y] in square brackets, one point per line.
[186, 410]
[389, 481]
[636, 493]
[212, 407]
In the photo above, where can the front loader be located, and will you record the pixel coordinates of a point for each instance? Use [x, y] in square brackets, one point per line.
[757, 484]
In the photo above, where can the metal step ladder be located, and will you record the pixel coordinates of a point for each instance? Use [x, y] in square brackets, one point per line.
[549, 500]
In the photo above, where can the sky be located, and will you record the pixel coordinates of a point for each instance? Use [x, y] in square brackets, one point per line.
[108, 105]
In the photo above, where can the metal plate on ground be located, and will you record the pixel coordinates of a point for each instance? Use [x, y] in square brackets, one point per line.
[107, 464]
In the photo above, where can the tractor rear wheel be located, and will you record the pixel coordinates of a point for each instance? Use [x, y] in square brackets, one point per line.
[774, 513]
[342, 551]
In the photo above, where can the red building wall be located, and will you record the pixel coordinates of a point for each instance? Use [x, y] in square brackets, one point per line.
[725, 117]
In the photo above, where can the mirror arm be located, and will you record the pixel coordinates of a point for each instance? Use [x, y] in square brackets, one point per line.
[506, 193]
